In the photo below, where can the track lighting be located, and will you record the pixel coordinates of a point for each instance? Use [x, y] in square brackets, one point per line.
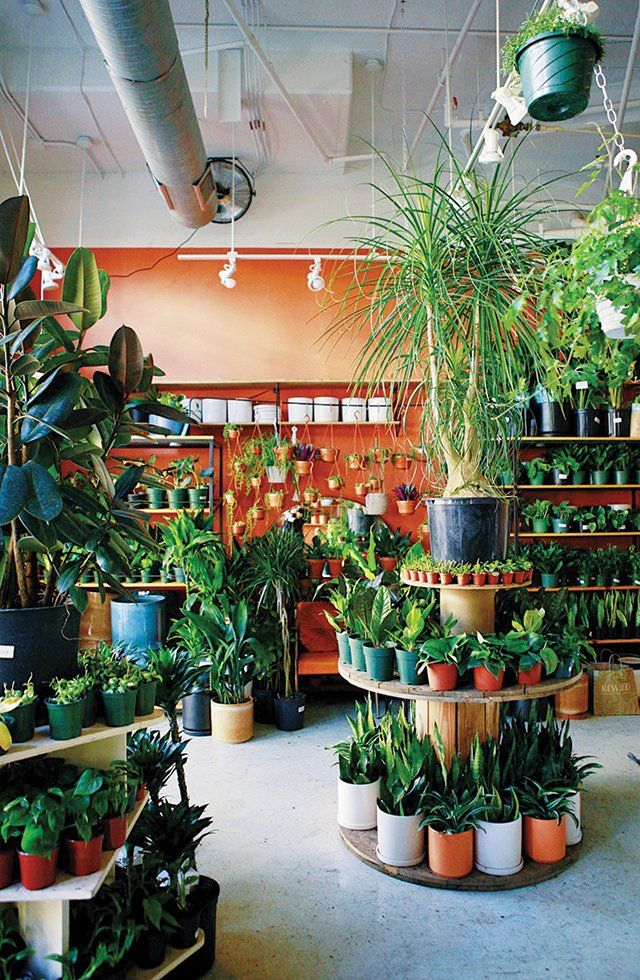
[512, 101]
[491, 152]
[315, 282]
[51, 268]
[227, 272]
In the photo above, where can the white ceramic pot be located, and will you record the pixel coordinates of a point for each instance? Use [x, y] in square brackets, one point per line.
[265, 412]
[574, 833]
[214, 410]
[354, 409]
[239, 410]
[326, 408]
[300, 409]
[357, 804]
[379, 409]
[400, 840]
[376, 503]
[275, 474]
[498, 847]
[194, 409]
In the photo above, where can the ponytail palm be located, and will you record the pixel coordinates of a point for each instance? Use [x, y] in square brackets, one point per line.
[440, 305]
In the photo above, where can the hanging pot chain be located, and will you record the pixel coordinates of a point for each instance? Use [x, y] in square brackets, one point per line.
[612, 116]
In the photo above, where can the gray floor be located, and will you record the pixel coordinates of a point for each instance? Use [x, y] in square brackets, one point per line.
[296, 904]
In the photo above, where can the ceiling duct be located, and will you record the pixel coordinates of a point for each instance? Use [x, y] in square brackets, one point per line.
[140, 47]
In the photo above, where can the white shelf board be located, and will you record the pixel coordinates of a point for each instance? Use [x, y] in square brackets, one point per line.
[173, 959]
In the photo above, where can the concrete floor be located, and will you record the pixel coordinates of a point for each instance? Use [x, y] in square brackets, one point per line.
[296, 904]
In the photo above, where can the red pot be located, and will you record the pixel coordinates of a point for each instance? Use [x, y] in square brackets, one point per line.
[442, 677]
[531, 676]
[483, 679]
[315, 567]
[335, 567]
[528, 575]
[493, 578]
[446, 578]
[85, 858]
[518, 577]
[433, 578]
[142, 792]
[115, 833]
[38, 872]
[479, 579]
[388, 564]
[422, 576]
[507, 578]
[464, 579]
[413, 575]
[7, 865]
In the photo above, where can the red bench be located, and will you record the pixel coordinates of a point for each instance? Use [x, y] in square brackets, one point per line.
[316, 644]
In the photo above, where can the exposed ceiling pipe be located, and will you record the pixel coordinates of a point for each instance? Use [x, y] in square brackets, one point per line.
[140, 47]
[631, 67]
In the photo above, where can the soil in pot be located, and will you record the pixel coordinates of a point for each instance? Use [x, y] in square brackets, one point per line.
[290, 712]
[407, 664]
[531, 676]
[450, 855]
[484, 680]
[232, 723]
[115, 832]
[379, 662]
[545, 840]
[65, 720]
[119, 707]
[150, 949]
[357, 653]
[146, 698]
[38, 872]
[7, 866]
[84, 857]
[442, 677]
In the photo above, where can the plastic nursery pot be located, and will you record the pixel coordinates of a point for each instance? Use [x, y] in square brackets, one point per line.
[588, 422]
[506, 578]
[178, 499]
[549, 581]
[357, 653]
[344, 649]
[468, 529]
[185, 936]
[621, 477]
[484, 680]
[357, 804]
[119, 707]
[559, 477]
[480, 578]
[446, 578]
[335, 567]
[379, 662]
[545, 841]
[24, 722]
[146, 575]
[198, 497]
[290, 712]
[264, 712]
[464, 579]
[387, 564]
[519, 576]
[579, 477]
[7, 866]
[498, 847]
[407, 664]
[156, 498]
[90, 711]
[316, 566]
[205, 897]
[560, 525]
[618, 422]
[146, 698]
[232, 723]
[115, 832]
[442, 677]
[555, 71]
[65, 720]
[552, 420]
[493, 578]
[531, 676]
[38, 872]
[600, 477]
[400, 840]
[450, 855]
[150, 949]
[84, 858]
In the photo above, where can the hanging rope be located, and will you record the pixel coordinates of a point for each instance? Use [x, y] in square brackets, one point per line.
[403, 84]
[81, 215]
[206, 57]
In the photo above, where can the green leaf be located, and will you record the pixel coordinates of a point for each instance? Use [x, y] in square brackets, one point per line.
[24, 277]
[47, 413]
[109, 393]
[25, 365]
[105, 283]
[14, 230]
[44, 500]
[14, 489]
[82, 286]
[40, 530]
[126, 360]
[127, 481]
[32, 308]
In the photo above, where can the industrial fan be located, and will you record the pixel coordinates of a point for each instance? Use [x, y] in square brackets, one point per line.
[234, 189]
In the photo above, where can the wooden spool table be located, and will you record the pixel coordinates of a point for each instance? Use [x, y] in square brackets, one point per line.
[459, 715]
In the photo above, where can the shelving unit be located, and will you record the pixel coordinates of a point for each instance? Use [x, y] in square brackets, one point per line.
[172, 960]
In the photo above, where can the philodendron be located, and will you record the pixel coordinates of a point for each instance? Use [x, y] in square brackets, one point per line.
[359, 769]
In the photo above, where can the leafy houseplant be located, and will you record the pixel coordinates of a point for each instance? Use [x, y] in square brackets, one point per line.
[20, 704]
[444, 658]
[536, 469]
[407, 497]
[412, 625]
[391, 546]
[66, 707]
[230, 671]
[359, 770]
[119, 691]
[498, 835]
[529, 649]
[379, 627]
[536, 515]
[488, 659]
[156, 757]
[86, 805]
[38, 822]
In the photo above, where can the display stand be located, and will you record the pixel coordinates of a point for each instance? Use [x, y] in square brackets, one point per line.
[459, 715]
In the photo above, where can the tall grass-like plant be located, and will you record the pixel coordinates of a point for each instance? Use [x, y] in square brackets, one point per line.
[440, 304]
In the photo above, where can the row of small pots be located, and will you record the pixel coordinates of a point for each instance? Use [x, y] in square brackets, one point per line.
[119, 707]
[234, 723]
[582, 477]
[560, 525]
[519, 577]
[157, 498]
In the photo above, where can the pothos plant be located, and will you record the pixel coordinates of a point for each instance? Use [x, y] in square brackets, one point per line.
[55, 421]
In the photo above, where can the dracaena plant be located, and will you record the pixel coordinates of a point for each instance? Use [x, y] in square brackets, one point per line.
[56, 419]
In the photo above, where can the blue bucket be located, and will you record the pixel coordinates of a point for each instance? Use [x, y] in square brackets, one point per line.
[138, 624]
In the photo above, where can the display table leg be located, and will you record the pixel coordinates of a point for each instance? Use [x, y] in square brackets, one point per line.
[457, 723]
[45, 927]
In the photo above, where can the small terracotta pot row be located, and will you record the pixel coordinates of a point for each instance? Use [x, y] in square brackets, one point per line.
[445, 677]
[520, 577]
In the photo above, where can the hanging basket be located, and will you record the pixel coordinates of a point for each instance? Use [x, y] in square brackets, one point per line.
[555, 70]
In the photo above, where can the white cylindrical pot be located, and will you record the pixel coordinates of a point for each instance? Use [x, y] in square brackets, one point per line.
[379, 409]
[634, 430]
[376, 503]
[239, 410]
[275, 474]
[194, 409]
[265, 412]
[300, 409]
[357, 804]
[214, 410]
[326, 409]
[400, 840]
[498, 847]
[574, 832]
[354, 409]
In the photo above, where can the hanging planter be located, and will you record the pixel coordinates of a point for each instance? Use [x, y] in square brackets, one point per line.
[360, 490]
[273, 499]
[328, 454]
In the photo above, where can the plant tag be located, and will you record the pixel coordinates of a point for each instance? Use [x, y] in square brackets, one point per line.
[563, 476]
[596, 418]
[582, 385]
[301, 709]
[6, 652]
[617, 419]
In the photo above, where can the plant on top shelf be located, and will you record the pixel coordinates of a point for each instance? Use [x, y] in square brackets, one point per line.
[407, 497]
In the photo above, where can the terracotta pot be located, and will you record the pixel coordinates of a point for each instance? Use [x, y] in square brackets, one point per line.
[446, 578]
[413, 575]
[115, 833]
[406, 506]
[334, 484]
[237, 528]
[322, 519]
[432, 578]
[274, 501]
[328, 454]
[545, 841]
[316, 566]
[531, 676]
[38, 872]
[283, 453]
[355, 463]
[519, 576]
[360, 489]
[309, 497]
[574, 703]
[442, 677]
[256, 482]
[95, 622]
[483, 679]
[141, 792]
[507, 578]
[255, 450]
[259, 513]
[463, 579]
[400, 462]
[84, 858]
[302, 466]
[232, 723]
[479, 579]
[493, 578]
[450, 855]
[233, 433]
[335, 567]
[7, 865]
[387, 563]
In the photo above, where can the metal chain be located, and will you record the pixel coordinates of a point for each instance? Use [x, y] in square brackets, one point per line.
[601, 82]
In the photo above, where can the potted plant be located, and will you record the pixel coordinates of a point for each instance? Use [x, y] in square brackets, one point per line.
[379, 628]
[479, 573]
[544, 806]
[391, 546]
[462, 573]
[602, 458]
[177, 671]
[115, 817]
[86, 805]
[225, 628]
[563, 465]
[315, 557]
[536, 469]
[119, 691]
[179, 473]
[498, 835]
[169, 414]
[407, 497]
[444, 658]
[303, 457]
[622, 467]
[549, 560]
[328, 454]
[340, 599]
[20, 703]
[562, 517]
[588, 413]
[554, 53]
[413, 618]
[528, 648]
[615, 359]
[488, 659]
[359, 771]
[354, 461]
[335, 482]
[65, 707]
[39, 821]
[155, 756]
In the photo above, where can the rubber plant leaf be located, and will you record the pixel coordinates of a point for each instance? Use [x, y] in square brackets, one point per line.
[14, 490]
[44, 500]
[14, 230]
[29, 309]
[47, 413]
[126, 359]
[24, 276]
[81, 286]
[105, 283]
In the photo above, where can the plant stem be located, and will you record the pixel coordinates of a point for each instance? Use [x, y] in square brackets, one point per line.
[175, 737]
[18, 558]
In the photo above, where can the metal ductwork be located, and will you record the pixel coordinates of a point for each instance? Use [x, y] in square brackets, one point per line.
[140, 47]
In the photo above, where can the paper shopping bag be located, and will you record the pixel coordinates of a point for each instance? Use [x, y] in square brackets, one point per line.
[614, 690]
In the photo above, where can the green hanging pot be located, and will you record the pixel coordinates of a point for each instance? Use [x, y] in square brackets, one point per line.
[555, 70]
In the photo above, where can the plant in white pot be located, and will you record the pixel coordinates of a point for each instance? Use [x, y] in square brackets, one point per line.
[498, 836]
[571, 770]
[359, 771]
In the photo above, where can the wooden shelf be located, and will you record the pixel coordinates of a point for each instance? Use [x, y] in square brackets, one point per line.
[578, 486]
[156, 586]
[42, 743]
[454, 587]
[586, 588]
[68, 888]
[578, 534]
[613, 439]
[173, 959]
[633, 639]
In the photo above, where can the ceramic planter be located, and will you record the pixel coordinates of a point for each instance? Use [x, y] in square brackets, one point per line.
[65, 720]
[119, 707]
[300, 409]
[379, 662]
[360, 489]
[376, 503]
[326, 408]
[115, 832]
[498, 847]
[328, 454]
[407, 664]
[406, 506]
[357, 804]
[379, 409]
[84, 857]
[545, 840]
[316, 566]
[232, 723]
[290, 712]
[531, 676]
[357, 653]
[573, 831]
[146, 698]
[344, 649]
[38, 872]
[354, 409]
[450, 855]
[537, 480]
[335, 567]
[400, 839]
[484, 680]
[555, 71]
[7, 866]
[442, 677]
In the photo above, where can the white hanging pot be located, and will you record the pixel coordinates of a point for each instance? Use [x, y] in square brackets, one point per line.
[354, 409]
[611, 317]
[214, 410]
[376, 503]
[573, 832]
[498, 847]
[357, 804]
[275, 474]
[400, 840]
[326, 408]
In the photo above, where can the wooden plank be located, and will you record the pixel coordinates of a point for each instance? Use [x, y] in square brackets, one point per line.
[471, 719]
[173, 959]
[492, 720]
[444, 716]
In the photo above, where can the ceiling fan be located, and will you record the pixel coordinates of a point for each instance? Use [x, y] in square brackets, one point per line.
[234, 189]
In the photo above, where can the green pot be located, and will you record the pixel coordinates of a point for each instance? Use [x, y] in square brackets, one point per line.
[146, 698]
[621, 477]
[540, 525]
[555, 71]
[90, 712]
[65, 720]
[537, 480]
[560, 525]
[357, 653]
[198, 497]
[119, 707]
[164, 576]
[580, 477]
[24, 722]
[178, 573]
[178, 499]
[379, 662]
[636, 477]
[407, 664]
[156, 498]
[344, 650]
[600, 477]
[146, 574]
[601, 581]
[549, 581]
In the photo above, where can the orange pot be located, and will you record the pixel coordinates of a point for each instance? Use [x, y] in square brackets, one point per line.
[328, 454]
[334, 484]
[400, 462]
[406, 506]
[95, 622]
[302, 466]
[442, 677]
[374, 486]
[315, 567]
[355, 463]
[256, 450]
[256, 482]
[237, 528]
[274, 501]
[335, 567]
[388, 564]
[531, 676]
[309, 497]
[545, 841]
[360, 489]
[483, 679]
[450, 855]
[259, 513]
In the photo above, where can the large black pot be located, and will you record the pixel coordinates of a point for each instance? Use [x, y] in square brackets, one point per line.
[618, 421]
[150, 949]
[196, 713]
[264, 711]
[468, 529]
[552, 419]
[185, 936]
[205, 896]
[41, 641]
[290, 712]
[588, 422]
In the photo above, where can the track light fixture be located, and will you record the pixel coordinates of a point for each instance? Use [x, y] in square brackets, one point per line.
[491, 151]
[227, 272]
[508, 97]
[51, 268]
[315, 282]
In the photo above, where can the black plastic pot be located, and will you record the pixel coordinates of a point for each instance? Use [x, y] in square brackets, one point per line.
[468, 529]
[290, 712]
[150, 949]
[42, 641]
[196, 713]
[184, 937]
[618, 421]
[264, 711]
[552, 420]
[588, 421]
[559, 477]
[205, 897]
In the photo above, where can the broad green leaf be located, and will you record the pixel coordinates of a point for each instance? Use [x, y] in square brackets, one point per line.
[24, 277]
[127, 481]
[126, 360]
[29, 309]
[25, 365]
[48, 412]
[40, 530]
[105, 283]
[14, 230]
[44, 500]
[109, 393]
[14, 489]
[82, 286]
